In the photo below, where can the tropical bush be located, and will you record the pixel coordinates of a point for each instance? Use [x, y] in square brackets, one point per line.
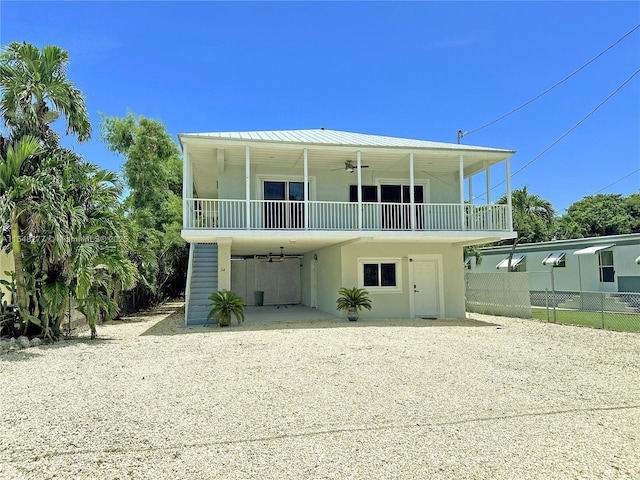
[226, 303]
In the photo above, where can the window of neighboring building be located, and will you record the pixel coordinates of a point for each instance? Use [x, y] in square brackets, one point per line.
[380, 275]
[518, 263]
[607, 274]
[555, 260]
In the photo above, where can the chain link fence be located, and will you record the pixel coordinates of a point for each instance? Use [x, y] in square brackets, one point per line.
[501, 294]
[609, 310]
[498, 294]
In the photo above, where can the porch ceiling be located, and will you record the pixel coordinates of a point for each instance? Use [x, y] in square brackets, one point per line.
[205, 155]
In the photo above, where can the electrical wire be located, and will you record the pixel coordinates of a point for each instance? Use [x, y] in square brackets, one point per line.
[567, 133]
[561, 137]
[610, 185]
[555, 85]
[613, 183]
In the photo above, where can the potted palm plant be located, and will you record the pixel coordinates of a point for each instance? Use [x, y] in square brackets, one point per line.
[353, 300]
[225, 304]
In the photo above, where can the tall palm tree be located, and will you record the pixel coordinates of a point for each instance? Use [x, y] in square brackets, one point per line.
[36, 92]
[533, 218]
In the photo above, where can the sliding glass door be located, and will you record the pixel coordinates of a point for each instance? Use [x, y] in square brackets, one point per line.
[396, 211]
[284, 205]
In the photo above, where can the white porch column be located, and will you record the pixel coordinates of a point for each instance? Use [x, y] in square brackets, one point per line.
[224, 263]
[187, 189]
[509, 214]
[487, 169]
[461, 196]
[306, 190]
[412, 193]
[359, 164]
[247, 185]
[471, 208]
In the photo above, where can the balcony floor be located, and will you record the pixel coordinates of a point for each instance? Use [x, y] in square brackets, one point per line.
[298, 242]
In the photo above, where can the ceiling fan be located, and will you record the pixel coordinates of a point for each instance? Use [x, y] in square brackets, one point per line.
[350, 167]
[271, 258]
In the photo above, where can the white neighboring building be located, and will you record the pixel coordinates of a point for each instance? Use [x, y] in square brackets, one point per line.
[609, 264]
[298, 214]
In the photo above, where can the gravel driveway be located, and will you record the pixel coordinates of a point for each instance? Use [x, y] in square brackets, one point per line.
[499, 398]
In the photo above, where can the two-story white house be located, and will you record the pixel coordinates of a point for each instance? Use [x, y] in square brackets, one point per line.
[295, 215]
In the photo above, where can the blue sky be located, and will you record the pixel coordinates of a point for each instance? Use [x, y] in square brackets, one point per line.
[410, 69]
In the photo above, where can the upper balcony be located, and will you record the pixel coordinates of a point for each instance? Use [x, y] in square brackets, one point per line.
[343, 216]
[326, 184]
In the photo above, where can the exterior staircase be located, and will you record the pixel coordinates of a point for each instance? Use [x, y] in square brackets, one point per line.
[203, 278]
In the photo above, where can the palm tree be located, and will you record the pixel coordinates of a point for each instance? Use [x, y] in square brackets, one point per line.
[35, 92]
[533, 218]
[15, 200]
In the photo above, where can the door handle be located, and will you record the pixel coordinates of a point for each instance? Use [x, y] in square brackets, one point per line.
[416, 291]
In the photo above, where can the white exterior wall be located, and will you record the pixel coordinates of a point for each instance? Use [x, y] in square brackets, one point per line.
[329, 267]
[328, 186]
[338, 267]
[580, 271]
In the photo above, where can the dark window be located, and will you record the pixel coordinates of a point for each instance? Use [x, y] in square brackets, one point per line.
[388, 274]
[296, 191]
[369, 193]
[371, 275]
[380, 275]
[418, 194]
[391, 193]
[274, 190]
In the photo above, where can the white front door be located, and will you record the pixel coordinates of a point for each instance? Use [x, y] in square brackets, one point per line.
[426, 288]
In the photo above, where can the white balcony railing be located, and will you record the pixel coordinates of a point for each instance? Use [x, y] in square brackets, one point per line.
[290, 215]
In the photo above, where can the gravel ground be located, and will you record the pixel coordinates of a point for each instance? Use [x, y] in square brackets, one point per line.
[499, 398]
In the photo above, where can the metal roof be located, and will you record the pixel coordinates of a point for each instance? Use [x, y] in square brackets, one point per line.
[594, 249]
[321, 136]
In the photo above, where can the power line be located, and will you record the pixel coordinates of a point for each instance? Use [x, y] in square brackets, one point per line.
[612, 183]
[462, 134]
[576, 125]
[561, 137]
[619, 180]
[567, 133]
